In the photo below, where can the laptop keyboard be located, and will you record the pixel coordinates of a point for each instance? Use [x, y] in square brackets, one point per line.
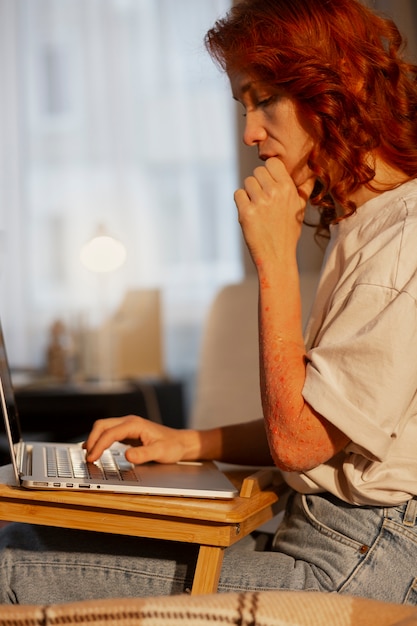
[71, 463]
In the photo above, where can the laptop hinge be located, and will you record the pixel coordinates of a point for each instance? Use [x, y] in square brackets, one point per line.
[24, 458]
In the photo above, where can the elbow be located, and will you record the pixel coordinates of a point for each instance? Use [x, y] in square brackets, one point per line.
[299, 466]
[297, 457]
[306, 448]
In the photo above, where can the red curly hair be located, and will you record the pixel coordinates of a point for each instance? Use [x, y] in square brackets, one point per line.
[344, 66]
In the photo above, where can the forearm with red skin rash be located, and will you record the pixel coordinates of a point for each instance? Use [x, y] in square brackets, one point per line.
[299, 438]
[271, 210]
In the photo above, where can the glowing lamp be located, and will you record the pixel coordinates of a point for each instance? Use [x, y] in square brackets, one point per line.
[103, 254]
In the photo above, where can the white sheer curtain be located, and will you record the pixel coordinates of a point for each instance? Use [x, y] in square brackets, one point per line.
[112, 112]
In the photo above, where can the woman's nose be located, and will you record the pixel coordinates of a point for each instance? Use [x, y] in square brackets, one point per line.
[254, 132]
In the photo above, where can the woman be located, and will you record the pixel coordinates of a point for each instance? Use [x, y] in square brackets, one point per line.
[330, 106]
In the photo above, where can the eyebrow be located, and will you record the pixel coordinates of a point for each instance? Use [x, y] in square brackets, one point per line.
[246, 87]
[243, 89]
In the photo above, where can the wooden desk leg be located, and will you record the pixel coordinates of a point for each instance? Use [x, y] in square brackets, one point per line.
[207, 571]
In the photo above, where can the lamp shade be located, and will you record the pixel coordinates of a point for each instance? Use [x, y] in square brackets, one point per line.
[103, 254]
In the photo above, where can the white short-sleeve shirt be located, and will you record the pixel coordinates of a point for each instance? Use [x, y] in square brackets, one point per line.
[362, 353]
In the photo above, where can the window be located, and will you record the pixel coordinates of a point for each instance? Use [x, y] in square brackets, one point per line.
[113, 114]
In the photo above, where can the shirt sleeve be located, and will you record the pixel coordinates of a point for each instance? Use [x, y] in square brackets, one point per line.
[362, 374]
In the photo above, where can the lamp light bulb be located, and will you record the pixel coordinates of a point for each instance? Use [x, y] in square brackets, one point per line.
[103, 254]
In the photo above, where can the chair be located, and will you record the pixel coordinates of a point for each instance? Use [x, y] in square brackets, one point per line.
[227, 389]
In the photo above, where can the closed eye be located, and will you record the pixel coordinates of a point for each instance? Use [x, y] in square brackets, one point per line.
[263, 104]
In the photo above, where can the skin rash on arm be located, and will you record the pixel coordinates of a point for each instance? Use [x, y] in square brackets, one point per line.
[299, 438]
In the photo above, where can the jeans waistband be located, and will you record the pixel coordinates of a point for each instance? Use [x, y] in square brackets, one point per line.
[405, 514]
[410, 514]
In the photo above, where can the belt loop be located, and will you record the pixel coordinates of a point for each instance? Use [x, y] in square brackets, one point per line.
[410, 513]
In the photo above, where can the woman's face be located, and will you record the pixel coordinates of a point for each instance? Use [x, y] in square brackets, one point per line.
[274, 125]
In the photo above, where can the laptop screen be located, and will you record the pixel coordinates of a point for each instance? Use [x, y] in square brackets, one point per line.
[7, 398]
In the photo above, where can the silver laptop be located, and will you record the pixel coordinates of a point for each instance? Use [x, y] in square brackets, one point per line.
[48, 465]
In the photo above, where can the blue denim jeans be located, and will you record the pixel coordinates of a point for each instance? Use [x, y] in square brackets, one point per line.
[322, 544]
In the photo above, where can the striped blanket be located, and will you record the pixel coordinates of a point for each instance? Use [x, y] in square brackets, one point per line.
[271, 608]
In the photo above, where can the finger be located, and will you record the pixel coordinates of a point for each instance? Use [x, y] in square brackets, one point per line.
[101, 426]
[120, 431]
[280, 174]
[143, 454]
[251, 193]
[264, 176]
[97, 429]
[252, 188]
[276, 169]
[260, 182]
[159, 450]
[241, 198]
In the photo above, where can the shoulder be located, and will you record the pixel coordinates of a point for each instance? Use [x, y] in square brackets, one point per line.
[380, 220]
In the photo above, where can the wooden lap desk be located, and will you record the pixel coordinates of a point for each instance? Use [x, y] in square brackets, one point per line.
[213, 524]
